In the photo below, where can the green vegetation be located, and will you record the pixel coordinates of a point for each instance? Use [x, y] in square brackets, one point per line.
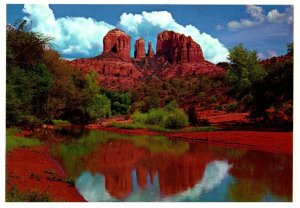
[13, 141]
[120, 101]
[244, 70]
[169, 117]
[266, 90]
[14, 195]
[41, 86]
[72, 153]
[60, 122]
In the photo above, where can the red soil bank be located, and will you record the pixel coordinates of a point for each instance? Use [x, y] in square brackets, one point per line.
[276, 142]
[34, 169]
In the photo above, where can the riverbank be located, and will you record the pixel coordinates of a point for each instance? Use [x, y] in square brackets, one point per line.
[276, 142]
[34, 170]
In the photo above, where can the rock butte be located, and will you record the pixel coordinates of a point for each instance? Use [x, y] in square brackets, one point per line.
[176, 55]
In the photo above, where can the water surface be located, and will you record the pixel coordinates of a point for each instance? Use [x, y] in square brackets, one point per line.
[116, 167]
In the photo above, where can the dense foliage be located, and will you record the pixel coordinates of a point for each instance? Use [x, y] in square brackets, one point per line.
[244, 70]
[265, 89]
[169, 117]
[120, 101]
[41, 86]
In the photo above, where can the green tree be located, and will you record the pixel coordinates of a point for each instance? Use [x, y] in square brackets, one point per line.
[244, 70]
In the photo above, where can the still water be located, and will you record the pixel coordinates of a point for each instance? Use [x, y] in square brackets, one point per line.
[116, 167]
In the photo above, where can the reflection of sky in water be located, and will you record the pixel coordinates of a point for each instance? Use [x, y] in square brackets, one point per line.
[212, 187]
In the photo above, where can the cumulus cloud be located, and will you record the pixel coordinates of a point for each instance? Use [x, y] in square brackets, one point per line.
[257, 17]
[72, 36]
[149, 24]
[275, 16]
[82, 37]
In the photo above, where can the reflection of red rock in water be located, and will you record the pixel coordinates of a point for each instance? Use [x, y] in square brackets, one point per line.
[116, 161]
[176, 173]
[141, 174]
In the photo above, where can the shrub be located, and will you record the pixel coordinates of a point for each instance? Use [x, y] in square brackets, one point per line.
[170, 117]
[177, 119]
[155, 116]
[138, 117]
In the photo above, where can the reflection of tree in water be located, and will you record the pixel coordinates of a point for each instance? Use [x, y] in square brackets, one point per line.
[258, 174]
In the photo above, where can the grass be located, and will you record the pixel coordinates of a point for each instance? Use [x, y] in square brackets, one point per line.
[14, 195]
[60, 122]
[13, 141]
[162, 129]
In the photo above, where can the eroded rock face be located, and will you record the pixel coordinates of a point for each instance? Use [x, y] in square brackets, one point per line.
[139, 48]
[177, 48]
[117, 42]
[150, 50]
[176, 56]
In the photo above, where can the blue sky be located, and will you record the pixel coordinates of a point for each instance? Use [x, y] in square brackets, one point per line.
[78, 29]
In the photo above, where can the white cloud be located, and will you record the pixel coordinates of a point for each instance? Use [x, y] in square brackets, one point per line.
[257, 17]
[149, 24]
[256, 12]
[82, 37]
[275, 16]
[267, 54]
[72, 36]
[219, 27]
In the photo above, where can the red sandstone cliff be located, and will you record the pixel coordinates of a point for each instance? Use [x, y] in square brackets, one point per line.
[176, 55]
[177, 48]
[139, 48]
[117, 42]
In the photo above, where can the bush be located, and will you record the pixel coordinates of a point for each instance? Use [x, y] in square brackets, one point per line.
[155, 116]
[176, 120]
[170, 117]
[138, 117]
[14, 195]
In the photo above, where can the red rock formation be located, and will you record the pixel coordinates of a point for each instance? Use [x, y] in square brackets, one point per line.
[113, 73]
[117, 42]
[177, 55]
[139, 48]
[150, 52]
[177, 48]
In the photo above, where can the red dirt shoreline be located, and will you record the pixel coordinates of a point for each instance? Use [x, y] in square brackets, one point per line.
[33, 169]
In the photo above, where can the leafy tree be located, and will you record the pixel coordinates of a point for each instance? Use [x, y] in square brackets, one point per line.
[244, 70]
[100, 108]
[120, 101]
[290, 49]
[274, 94]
